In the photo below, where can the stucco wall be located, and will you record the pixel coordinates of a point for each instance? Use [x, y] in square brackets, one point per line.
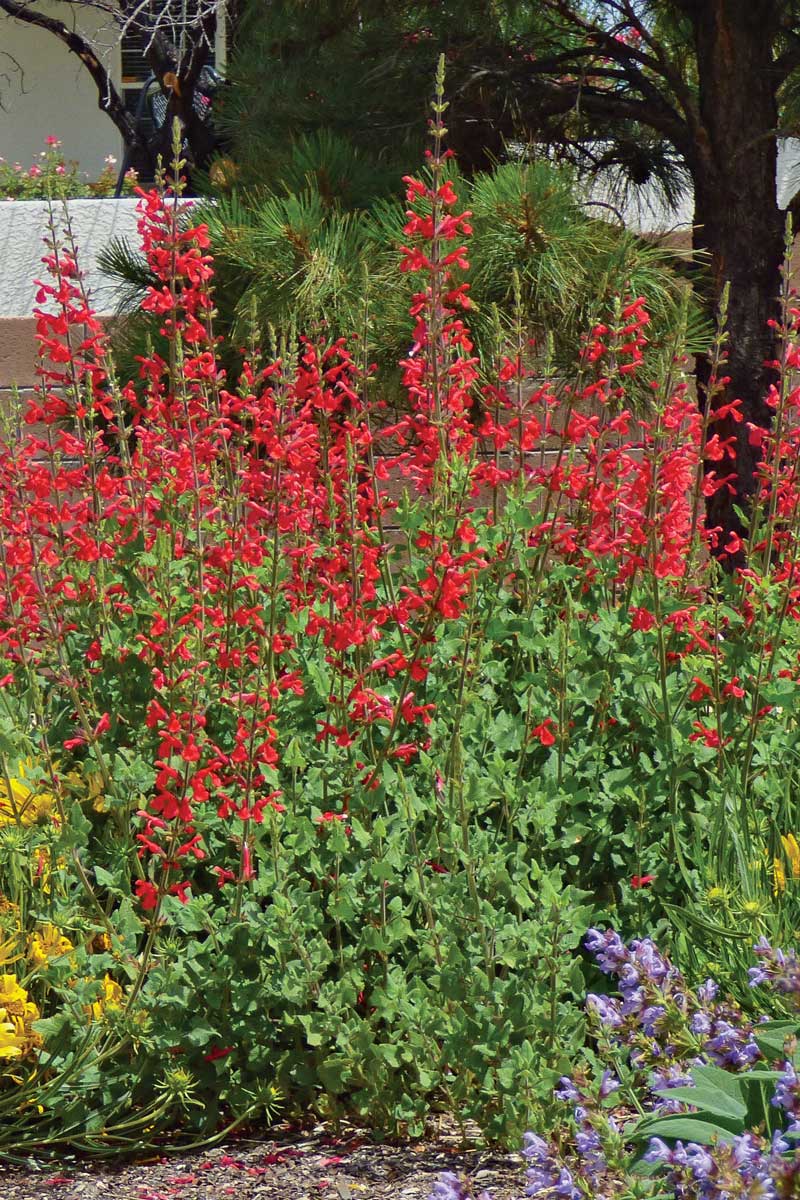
[23, 228]
[46, 90]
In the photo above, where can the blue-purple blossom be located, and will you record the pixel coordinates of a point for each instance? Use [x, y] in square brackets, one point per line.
[787, 1095]
[566, 1090]
[546, 1175]
[776, 969]
[656, 1001]
[664, 1030]
[450, 1186]
[608, 1084]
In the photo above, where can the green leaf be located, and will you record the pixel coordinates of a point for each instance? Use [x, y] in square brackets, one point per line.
[771, 1037]
[694, 1127]
[106, 879]
[714, 1102]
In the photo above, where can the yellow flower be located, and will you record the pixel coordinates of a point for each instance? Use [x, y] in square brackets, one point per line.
[47, 943]
[42, 868]
[11, 1044]
[7, 948]
[779, 876]
[792, 851]
[19, 1012]
[88, 785]
[95, 791]
[23, 803]
[111, 998]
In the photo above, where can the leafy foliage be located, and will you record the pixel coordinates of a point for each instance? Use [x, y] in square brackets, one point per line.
[684, 1098]
[53, 177]
[325, 730]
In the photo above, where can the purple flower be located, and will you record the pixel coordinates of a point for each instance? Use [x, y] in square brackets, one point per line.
[776, 969]
[787, 1093]
[731, 1047]
[605, 1009]
[707, 992]
[608, 1084]
[700, 1023]
[450, 1187]
[566, 1090]
[665, 1029]
[547, 1177]
[608, 949]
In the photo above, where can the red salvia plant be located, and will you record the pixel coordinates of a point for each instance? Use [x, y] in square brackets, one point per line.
[196, 571]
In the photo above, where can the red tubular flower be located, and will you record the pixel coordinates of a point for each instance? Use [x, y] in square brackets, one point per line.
[147, 893]
[641, 619]
[544, 732]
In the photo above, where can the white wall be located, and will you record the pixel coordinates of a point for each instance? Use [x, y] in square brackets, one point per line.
[646, 212]
[46, 90]
[23, 228]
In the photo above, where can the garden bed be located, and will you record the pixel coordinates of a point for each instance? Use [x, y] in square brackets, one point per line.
[289, 1165]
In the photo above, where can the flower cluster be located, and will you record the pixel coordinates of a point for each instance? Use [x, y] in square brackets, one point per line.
[659, 1018]
[53, 177]
[654, 1034]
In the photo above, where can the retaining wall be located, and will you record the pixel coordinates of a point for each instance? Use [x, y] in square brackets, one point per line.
[23, 230]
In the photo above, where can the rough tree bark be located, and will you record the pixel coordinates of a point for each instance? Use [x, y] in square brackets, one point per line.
[738, 222]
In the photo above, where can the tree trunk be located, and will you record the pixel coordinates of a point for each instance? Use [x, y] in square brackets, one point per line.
[740, 227]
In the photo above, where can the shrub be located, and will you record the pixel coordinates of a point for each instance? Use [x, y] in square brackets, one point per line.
[683, 1094]
[52, 177]
[325, 736]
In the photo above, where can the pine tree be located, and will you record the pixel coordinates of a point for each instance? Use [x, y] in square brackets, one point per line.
[654, 89]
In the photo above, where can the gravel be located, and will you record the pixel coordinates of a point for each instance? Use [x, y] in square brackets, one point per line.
[286, 1164]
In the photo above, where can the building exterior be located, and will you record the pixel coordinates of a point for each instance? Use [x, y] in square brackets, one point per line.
[46, 91]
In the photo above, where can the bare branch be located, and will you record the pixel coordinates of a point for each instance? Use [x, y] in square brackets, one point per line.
[109, 99]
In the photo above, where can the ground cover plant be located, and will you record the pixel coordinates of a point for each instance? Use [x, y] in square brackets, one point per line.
[53, 177]
[685, 1096]
[326, 733]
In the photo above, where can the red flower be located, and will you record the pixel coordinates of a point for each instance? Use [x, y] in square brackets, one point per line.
[544, 733]
[700, 691]
[641, 881]
[147, 893]
[218, 1052]
[642, 619]
[103, 725]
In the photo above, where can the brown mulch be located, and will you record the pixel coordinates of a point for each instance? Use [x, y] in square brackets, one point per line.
[285, 1165]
